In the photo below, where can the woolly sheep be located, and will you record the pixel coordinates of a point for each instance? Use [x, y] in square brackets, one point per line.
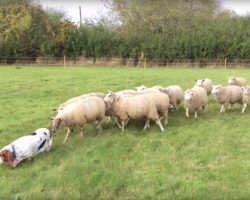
[195, 99]
[78, 98]
[175, 94]
[227, 95]
[246, 97]
[161, 101]
[134, 107]
[205, 83]
[238, 81]
[91, 109]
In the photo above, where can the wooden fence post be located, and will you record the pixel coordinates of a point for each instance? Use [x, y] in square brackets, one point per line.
[225, 63]
[64, 60]
[145, 63]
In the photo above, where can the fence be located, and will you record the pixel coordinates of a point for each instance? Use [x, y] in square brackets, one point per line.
[82, 61]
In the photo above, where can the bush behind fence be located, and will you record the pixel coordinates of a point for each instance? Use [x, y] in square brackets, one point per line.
[83, 61]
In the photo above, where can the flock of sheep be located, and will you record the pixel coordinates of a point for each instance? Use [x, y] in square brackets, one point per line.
[151, 104]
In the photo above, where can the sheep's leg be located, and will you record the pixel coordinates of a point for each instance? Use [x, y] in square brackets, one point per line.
[195, 114]
[99, 126]
[165, 119]
[67, 135]
[114, 119]
[158, 122]
[108, 120]
[146, 124]
[222, 108]
[230, 106]
[126, 122]
[123, 126]
[187, 112]
[176, 106]
[117, 122]
[244, 108]
[81, 132]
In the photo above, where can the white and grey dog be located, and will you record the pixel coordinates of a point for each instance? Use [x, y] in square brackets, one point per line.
[26, 147]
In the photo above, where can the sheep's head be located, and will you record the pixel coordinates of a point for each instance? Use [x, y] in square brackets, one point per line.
[215, 89]
[57, 123]
[246, 91]
[231, 80]
[188, 95]
[111, 97]
[199, 82]
[140, 88]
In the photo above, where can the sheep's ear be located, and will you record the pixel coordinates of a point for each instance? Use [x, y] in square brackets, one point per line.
[203, 80]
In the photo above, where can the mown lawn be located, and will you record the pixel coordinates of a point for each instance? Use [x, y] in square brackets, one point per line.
[204, 158]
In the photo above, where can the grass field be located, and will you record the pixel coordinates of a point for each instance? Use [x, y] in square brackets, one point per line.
[204, 158]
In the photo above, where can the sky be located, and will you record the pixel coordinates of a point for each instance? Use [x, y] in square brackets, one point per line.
[90, 8]
[95, 8]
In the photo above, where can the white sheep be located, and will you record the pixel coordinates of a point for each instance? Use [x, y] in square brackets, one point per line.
[227, 95]
[246, 97]
[91, 109]
[195, 100]
[238, 81]
[175, 94]
[78, 98]
[134, 107]
[161, 101]
[205, 83]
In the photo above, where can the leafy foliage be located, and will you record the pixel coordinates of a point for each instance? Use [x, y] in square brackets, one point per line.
[161, 29]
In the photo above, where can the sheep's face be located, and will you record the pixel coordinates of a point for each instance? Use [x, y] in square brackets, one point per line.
[199, 83]
[109, 98]
[216, 89]
[140, 88]
[188, 96]
[231, 81]
[246, 91]
[57, 123]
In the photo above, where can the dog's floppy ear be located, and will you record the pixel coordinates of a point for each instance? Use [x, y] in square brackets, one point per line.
[8, 158]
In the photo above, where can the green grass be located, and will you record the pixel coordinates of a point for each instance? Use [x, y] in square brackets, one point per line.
[204, 158]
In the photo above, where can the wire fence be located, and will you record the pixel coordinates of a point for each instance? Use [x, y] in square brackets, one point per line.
[145, 62]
